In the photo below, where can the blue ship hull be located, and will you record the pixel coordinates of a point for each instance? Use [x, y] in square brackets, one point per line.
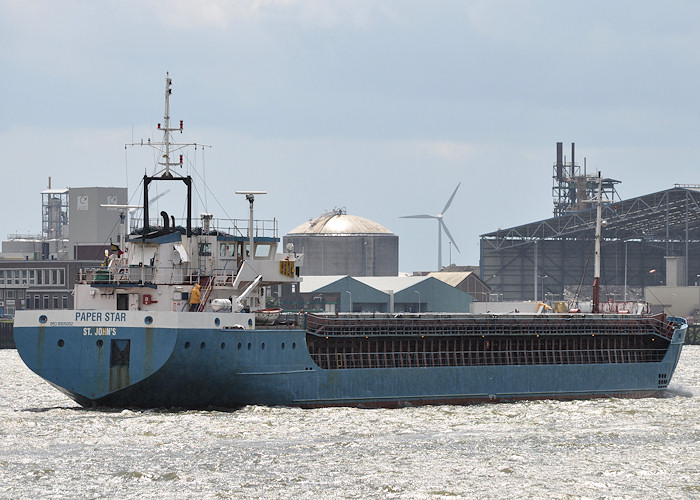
[171, 361]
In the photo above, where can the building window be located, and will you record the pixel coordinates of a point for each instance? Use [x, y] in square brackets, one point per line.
[227, 250]
[55, 301]
[65, 302]
[32, 277]
[16, 276]
[20, 294]
[54, 276]
[205, 249]
[2, 277]
[37, 302]
[46, 301]
[9, 294]
[24, 276]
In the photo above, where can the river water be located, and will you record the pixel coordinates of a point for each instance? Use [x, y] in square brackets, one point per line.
[648, 448]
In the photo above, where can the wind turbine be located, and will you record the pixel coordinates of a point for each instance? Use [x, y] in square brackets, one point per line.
[441, 225]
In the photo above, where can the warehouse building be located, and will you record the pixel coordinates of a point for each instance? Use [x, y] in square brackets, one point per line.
[395, 294]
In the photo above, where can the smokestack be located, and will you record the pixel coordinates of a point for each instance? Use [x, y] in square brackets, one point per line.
[560, 162]
[572, 157]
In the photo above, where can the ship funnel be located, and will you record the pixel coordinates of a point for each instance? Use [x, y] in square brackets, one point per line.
[166, 221]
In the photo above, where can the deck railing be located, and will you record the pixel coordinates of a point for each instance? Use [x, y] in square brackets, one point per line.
[235, 227]
[116, 275]
[451, 324]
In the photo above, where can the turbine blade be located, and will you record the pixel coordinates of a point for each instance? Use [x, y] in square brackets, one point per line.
[449, 202]
[447, 232]
[424, 216]
[158, 196]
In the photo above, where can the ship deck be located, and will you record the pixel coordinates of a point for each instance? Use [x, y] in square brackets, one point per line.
[487, 324]
[396, 341]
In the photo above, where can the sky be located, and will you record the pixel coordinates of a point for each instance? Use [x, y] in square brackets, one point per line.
[378, 107]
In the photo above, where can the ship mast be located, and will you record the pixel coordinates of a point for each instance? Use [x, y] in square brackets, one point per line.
[596, 272]
[168, 146]
[166, 131]
[250, 196]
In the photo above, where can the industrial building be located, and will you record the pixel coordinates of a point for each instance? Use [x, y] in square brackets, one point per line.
[336, 243]
[39, 271]
[77, 224]
[410, 294]
[35, 284]
[647, 241]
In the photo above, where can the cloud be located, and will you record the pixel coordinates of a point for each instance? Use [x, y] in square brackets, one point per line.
[185, 14]
[452, 151]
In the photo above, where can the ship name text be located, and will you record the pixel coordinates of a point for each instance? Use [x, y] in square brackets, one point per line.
[100, 316]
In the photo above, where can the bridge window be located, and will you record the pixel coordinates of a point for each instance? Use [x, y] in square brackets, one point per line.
[205, 249]
[262, 250]
[227, 249]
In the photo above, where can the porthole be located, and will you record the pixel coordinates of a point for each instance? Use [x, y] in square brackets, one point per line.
[217, 321]
[148, 320]
[294, 345]
[187, 345]
[262, 346]
[43, 318]
[250, 322]
[282, 345]
[239, 346]
[99, 343]
[249, 346]
[223, 344]
[60, 343]
[202, 345]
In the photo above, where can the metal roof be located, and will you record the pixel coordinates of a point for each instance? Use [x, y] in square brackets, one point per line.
[381, 283]
[670, 215]
[392, 283]
[338, 223]
[312, 283]
[451, 278]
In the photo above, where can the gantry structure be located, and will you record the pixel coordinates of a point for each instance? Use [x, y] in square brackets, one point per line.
[540, 260]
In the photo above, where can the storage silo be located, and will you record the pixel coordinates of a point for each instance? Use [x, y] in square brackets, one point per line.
[336, 243]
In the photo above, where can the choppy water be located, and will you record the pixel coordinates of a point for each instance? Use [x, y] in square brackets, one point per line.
[648, 448]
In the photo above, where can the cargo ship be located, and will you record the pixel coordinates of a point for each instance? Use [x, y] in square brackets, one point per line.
[172, 319]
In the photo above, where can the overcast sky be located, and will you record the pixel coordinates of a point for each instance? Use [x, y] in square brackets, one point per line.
[381, 107]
